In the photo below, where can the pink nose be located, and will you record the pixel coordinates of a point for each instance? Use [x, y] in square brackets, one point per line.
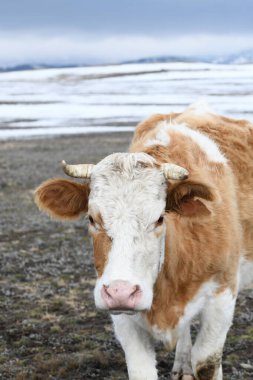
[121, 295]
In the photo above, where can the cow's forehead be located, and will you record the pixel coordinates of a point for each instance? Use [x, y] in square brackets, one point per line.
[128, 185]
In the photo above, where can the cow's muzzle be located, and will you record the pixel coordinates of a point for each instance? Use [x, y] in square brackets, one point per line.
[121, 297]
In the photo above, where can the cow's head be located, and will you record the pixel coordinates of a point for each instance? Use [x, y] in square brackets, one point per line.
[125, 199]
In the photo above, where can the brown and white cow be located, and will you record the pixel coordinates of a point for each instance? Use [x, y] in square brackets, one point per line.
[168, 247]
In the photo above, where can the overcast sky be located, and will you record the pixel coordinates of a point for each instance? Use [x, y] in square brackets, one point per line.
[79, 31]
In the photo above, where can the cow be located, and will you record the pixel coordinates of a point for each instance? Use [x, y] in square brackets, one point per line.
[172, 229]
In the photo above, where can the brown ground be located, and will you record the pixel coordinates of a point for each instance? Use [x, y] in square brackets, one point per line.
[49, 328]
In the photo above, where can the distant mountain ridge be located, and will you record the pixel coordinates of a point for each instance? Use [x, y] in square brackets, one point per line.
[27, 66]
[239, 58]
[245, 57]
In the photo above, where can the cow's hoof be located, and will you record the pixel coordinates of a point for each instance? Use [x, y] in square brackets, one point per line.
[181, 376]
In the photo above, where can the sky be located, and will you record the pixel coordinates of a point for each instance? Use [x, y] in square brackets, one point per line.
[104, 31]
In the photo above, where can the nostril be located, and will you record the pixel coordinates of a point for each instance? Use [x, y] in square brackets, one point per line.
[136, 290]
[106, 290]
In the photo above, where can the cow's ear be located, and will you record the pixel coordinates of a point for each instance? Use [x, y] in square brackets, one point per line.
[190, 199]
[62, 199]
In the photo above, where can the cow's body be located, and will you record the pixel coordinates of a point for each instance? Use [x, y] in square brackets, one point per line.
[201, 262]
[206, 237]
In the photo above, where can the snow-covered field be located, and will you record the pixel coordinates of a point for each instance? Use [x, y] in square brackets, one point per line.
[114, 98]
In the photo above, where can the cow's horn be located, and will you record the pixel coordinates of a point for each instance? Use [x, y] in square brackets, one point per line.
[78, 171]
[172, 171]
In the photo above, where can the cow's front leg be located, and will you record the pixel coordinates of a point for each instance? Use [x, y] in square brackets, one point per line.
[182, 369]
[138, 347]
[216, 319]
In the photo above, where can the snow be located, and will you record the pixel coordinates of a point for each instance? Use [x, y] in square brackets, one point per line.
[116, 97]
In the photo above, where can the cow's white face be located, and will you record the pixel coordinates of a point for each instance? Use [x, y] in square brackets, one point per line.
[126, 208]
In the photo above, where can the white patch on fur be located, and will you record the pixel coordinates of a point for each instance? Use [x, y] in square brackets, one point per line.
[162, 138]
[216, 319]
[200, 107]
[162, 256]
[130, 198]
[246, 273]
[220, 374]
[207, 145]
[137, 345]
[182, 362]
[193, 308]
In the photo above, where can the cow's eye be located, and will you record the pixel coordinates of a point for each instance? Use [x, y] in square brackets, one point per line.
[160, 221]
[91, 219]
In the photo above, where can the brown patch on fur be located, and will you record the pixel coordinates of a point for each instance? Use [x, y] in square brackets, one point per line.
[62, 199]
[147, 129]
[193, 208]
[102, 244]
[208, 370]
[182, 199]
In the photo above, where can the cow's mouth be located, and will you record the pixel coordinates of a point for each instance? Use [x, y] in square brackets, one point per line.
[123, 311]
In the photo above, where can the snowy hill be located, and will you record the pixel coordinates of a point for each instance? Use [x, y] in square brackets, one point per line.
[115, 97]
